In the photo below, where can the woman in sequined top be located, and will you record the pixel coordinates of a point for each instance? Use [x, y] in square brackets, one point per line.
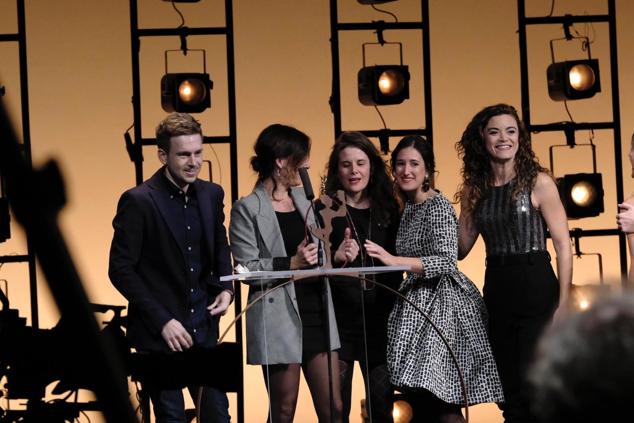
[509, 199]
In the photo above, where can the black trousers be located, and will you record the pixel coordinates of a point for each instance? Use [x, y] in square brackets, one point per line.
[521, 293]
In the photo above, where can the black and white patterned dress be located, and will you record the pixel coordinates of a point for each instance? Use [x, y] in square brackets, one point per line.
[416, 356]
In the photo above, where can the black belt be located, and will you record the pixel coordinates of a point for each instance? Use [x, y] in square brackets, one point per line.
[514, 259]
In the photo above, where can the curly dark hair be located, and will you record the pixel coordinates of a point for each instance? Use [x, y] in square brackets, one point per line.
[379, 190]
[477, 175]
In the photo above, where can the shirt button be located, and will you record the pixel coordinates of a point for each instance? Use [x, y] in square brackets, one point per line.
[194, 330]
[191, 269]
[189, 227]
[192, 310]
[191, 290]
[171, 196]
[185, 206]
[189, 248]
[180, 192]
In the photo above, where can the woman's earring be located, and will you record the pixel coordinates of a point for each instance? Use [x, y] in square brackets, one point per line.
[425, 186]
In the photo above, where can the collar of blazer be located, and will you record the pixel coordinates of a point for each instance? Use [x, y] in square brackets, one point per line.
[267, 221]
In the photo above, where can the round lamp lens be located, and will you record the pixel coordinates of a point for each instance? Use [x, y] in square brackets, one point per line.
[391, 82]
[402, 412]
[583, 194]
[581, 77]
[192, 91]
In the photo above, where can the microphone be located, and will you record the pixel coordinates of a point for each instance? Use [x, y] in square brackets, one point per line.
[308, 188]
[310, 195]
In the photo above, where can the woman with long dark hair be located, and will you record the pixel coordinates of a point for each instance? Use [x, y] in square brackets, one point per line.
[361, 308]
[286, 330]
[509, 199]
[420, 363]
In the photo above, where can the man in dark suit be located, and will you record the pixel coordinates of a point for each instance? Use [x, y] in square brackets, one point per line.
[168, 251]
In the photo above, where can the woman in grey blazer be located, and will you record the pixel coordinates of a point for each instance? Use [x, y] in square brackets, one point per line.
[286, 330]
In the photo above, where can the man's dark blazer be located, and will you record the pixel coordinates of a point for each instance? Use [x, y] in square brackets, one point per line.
[147, 264]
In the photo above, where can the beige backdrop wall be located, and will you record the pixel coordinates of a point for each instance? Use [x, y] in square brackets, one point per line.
[80, 91]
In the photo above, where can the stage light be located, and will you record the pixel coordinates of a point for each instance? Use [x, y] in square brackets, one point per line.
[582, 297]
[186, 92]
[402, 411]
[581, 194]
[573, 80]
[383, 84]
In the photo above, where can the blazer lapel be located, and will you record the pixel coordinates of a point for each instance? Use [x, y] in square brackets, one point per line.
[268, 225]
[162, 199]
[206, 213]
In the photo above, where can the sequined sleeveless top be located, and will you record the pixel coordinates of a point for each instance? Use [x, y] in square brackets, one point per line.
[510, 226]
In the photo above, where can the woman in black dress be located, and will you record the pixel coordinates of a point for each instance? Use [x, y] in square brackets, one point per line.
[356, 167]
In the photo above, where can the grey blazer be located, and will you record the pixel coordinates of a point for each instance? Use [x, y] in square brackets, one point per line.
[274, 328]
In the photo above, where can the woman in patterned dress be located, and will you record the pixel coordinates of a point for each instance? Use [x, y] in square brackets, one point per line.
[420, 364]
[356, 167]
[510, 199]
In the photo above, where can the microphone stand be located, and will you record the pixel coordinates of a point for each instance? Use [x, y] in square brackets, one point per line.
[310, 196]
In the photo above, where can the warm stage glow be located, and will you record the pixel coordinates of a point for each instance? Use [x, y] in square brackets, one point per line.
[584, 304]
[402, 412]
[583, 297]
[583, 193]
[581, 77]
[391, 82]
[573, 80]
[191, 91]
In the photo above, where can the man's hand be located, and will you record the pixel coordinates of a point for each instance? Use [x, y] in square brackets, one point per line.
[220, 304]
[176, 336]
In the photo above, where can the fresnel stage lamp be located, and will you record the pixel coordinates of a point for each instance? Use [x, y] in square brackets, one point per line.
[186, 92]
[581, 193]
[573, 79]
[383, 84]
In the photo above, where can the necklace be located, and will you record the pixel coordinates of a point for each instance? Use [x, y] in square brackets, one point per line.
[361, 241]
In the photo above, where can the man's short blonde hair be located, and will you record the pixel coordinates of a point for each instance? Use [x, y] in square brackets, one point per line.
[173, 125]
